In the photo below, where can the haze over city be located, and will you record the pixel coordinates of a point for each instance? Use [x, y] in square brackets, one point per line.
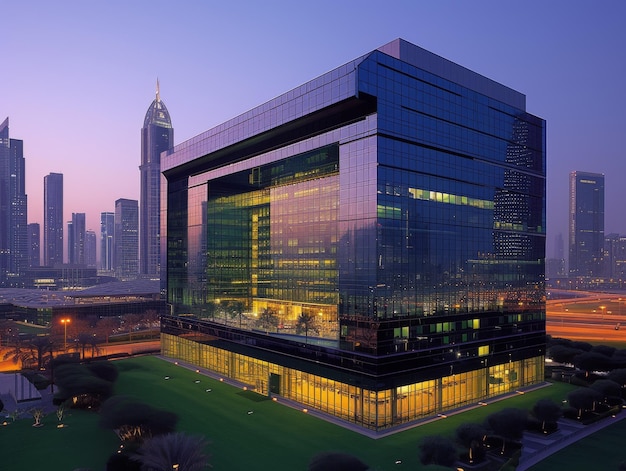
[79, 77]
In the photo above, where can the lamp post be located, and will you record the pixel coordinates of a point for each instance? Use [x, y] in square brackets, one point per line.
[65, 322]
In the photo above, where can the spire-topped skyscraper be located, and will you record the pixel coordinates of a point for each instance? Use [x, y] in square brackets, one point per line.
[157, 135]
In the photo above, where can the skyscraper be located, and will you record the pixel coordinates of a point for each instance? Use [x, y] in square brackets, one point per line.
[13, 207]
[394, 210]
[586, 224]
[90, 249]
[107, 230]
[126, 239]
[157, 135]
[76, 239]
[53, 219]
[34, 244]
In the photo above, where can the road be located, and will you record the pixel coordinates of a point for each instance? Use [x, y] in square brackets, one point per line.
[131, 348]
[592, 317]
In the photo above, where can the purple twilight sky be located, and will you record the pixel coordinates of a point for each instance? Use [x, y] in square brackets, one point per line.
[78, 76]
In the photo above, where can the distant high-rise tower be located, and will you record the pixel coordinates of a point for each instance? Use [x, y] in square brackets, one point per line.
[157, 135]
[126, 240]
[53, 219]
[586, 223]
[13, 205]
[34, 245]
[107, 229]
[76, 239]
[90, 249]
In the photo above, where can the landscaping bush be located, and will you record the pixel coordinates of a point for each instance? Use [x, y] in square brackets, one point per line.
[135, 421]
[437, 450]
[81, 385]
[104, 370]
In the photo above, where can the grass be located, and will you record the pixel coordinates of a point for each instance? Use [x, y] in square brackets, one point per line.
[81, 444]
[273, 436]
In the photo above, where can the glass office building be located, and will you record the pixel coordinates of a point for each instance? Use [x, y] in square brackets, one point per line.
[370, 244]
[157, 135]
[586, 224]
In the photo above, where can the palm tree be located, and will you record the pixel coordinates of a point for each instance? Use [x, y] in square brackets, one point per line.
[305, 323]
[267, 319]
[39, 346]
[19, 353]
[173, 451]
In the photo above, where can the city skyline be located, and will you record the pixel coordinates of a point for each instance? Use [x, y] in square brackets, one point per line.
[78, 104]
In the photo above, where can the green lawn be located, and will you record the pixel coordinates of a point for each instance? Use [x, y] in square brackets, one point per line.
[273, 436]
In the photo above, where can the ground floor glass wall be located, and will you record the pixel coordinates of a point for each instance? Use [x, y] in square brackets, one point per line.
[371, 409]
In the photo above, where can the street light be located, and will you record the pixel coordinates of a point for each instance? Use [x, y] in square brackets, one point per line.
[65, 322]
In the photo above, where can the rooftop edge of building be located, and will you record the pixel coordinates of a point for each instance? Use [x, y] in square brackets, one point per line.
[398, 48]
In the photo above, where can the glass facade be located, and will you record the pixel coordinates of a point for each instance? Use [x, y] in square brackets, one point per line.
[586, 224]
[157, 135]
[13, 210]
[126, 239]
[388, 216]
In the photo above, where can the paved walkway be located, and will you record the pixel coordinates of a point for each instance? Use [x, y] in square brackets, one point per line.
[537, 447]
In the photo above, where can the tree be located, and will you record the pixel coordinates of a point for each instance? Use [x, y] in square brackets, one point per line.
[39, 346]
[607, 388]
[132, 321]
[107, 325]
[173, 451]
[437, 450]
[104, 369]
[19, 351]
[547, 412]
[509, 424]
[563, 353]
[592, 361]
[6, 328]
[583, 399]
[267, 319]
[305, 323]
[336, 461]
[82, 386]
[37, 414]
[133, 420]
[619, 376]
[84, 339]
[236, 308]
[471, 437]
[605, 350]
[59, 413]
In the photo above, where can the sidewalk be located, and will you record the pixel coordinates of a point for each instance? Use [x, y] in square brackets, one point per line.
[537, 447]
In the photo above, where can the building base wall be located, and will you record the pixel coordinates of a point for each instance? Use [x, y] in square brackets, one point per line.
[375, 410]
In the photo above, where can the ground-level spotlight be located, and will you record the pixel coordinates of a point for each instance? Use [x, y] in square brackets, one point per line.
[305, 410]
